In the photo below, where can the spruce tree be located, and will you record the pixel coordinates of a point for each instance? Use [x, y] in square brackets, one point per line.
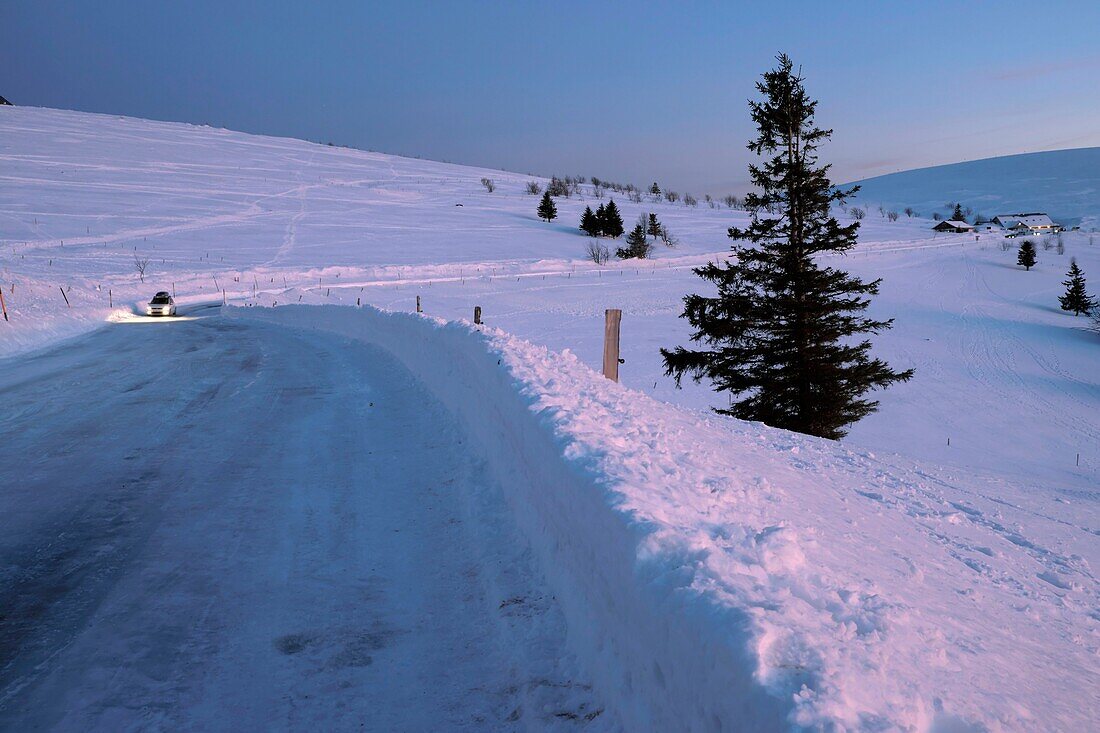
[588, 222]
[958, 214]
[601, 217]
[786, 336]
[612, 221]
[653, 228]
[636, 245]
[1076, 298]
[655, 189]
[1026, 255]
[547, 209]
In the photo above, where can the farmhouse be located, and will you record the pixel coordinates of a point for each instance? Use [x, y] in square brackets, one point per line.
[1033, 223]
[959, 227]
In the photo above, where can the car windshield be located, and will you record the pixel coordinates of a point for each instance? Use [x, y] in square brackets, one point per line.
[159, 300]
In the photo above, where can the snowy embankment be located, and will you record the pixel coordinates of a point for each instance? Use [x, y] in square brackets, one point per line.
[719, 575]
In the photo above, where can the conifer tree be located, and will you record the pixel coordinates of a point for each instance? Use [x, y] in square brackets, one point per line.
[612, 220]
[653, 228]
[547, 209]
[1026, 255]
[958, 214]
[637, 245]
[588, 222]
[1076, 298]
[601, 218]
[655, 189]
[786, 336]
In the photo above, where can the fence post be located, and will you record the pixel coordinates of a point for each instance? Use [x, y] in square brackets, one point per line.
[611, 320]
[477, 315]
[110, 298]
[2, 306]
[418, 310]
[64, 296]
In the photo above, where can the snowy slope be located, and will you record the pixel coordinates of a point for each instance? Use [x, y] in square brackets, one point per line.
[985, 540]
[1062, 183]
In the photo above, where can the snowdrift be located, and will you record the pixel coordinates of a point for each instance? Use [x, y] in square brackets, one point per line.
[718, 575]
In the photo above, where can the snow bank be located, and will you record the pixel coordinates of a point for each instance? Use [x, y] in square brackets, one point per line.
[718, 575]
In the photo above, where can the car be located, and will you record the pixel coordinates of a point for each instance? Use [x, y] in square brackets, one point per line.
[162, 304]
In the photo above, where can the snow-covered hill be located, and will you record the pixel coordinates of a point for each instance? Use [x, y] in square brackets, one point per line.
[905, 577]
[1062, 183]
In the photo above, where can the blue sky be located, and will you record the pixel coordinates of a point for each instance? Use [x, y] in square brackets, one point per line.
[626, 91]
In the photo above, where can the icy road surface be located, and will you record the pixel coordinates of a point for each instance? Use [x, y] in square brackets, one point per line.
[212, 524]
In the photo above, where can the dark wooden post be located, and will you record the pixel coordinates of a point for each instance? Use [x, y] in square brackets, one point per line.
[418, 310]
[611, 321]
[477, 315]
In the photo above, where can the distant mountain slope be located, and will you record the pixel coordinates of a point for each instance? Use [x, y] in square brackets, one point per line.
[1062, 183]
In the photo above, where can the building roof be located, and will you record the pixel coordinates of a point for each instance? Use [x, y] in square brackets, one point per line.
[954, 224]
[1034, 219]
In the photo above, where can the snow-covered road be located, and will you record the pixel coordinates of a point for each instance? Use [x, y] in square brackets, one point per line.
[215, 523]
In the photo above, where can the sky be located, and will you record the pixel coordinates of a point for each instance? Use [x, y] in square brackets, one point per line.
[631, 92]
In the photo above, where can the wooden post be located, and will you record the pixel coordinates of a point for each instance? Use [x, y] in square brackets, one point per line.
[2, 306]
[110, 298]
[64, 296]
[223, 296]
[612, 318]
[418, 309]
[477, 315]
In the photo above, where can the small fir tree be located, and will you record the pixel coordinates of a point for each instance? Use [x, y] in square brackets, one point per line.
[958, 214]
[655, 189]
[547, 209]
[601, 218]
[589, 224]
[653, 228]
[1026, 255]
[612, 220]
[1076, 298]
[637, 245]
[784, 334]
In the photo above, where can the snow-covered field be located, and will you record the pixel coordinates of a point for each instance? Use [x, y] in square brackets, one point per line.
[894, 580]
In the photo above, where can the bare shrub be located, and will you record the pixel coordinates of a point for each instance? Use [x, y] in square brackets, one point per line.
[857, 213]
[892, 215]
[635, 197]
[534, 188]
[672, 197]
[140, 264]
[558, 187]
[909, 211]
[489, 185]
[667, 237]
[731, 202]
[597, 252]
[690, 200]
[1061, 244]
